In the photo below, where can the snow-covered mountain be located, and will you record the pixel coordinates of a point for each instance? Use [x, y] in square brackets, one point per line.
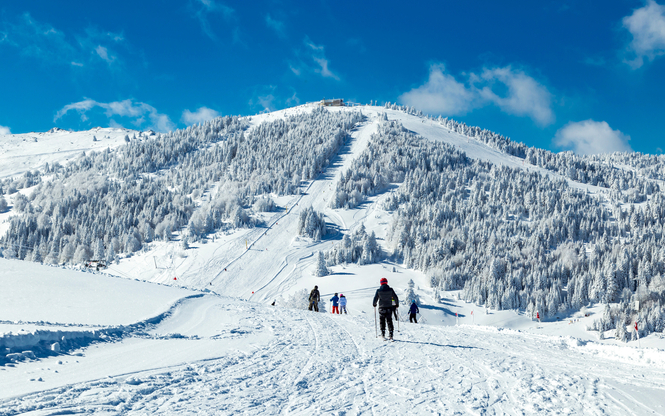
[230, 216]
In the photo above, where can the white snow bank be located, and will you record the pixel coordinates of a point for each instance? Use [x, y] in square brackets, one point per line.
[35, 293]
[51, 341]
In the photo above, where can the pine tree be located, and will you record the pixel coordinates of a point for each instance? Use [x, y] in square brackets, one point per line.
[410, 295]
[321, 269]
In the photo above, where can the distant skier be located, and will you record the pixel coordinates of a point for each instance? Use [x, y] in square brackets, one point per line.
[413, 311]
[314, 298]
[387, 300]
[335, 302]
[342, 303]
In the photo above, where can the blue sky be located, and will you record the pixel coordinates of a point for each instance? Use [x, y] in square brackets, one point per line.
[562, 75]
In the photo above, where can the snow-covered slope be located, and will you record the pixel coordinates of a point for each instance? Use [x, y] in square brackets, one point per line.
[216, 355]
[29, 151]
[212, 343]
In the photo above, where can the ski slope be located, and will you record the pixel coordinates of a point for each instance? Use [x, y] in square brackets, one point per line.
[24, 152]
[210, 354]
[193, 331]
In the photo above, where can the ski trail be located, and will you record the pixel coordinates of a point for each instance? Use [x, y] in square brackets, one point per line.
[360, 359]
[269, 360]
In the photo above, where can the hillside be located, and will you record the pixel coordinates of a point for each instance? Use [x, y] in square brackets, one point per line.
[232, 215]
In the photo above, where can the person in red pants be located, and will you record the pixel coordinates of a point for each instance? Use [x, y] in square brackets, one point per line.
[335, 302]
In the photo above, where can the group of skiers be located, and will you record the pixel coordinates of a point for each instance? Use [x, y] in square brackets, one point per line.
[385, 298]
[338, 301]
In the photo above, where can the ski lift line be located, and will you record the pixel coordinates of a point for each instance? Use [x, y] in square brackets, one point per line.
[300, 196]
[298, 200]
[119, 272]
[17, 245]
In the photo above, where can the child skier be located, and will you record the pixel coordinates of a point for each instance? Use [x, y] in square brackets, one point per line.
[342, 303]
[335, 300]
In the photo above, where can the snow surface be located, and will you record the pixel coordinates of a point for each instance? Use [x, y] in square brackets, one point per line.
[29, 151]
[209, 342]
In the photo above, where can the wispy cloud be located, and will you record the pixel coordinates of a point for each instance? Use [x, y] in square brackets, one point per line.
[314, 61]
[136, 111]
[296, 70]
[264, 98]
[277, 25]
[202, 11]
[4, 130]
[198, 116]
[293, 100]
[50, 46]
[513, 91]
[591, 137]
[37, 40]
[271, 97]
[647, 25]
[104, 54]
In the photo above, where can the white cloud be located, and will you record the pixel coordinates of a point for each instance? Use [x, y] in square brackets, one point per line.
[264, 98]
[590, 137]
[295, 70]
[324, 71]
[318, 56]
[104, 54]
[441, 94]
[4, 130]
[198, 116]
[524, 97]
[293, 100]
[125, 108]
[115, 124]
[267, 101]
[647, 25]
[210, 6]
[276, 25]
[513, 91]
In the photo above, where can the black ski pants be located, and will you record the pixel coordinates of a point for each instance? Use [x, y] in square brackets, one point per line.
[386, 314]
[412, 318]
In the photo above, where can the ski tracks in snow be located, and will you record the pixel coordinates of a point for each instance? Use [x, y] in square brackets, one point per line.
[296, 362]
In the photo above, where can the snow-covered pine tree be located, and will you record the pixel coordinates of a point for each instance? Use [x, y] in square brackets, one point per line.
[410, 295]
[321, 269]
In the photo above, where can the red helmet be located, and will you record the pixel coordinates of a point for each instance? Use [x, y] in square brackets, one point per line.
[383, 281]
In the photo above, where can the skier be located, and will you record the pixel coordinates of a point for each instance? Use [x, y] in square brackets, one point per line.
[413, 311]
[314, 298]
[342, 303]
[335, 300]
[387, 299]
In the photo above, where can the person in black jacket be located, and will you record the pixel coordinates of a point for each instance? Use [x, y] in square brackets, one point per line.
[314, 298]
[387, 300]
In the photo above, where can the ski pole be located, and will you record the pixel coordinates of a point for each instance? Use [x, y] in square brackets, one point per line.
[376, 331]
[397, 310]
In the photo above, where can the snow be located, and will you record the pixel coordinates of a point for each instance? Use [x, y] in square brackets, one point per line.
[36, 293]
[136, 341]
[220, 355]
[29, 151]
